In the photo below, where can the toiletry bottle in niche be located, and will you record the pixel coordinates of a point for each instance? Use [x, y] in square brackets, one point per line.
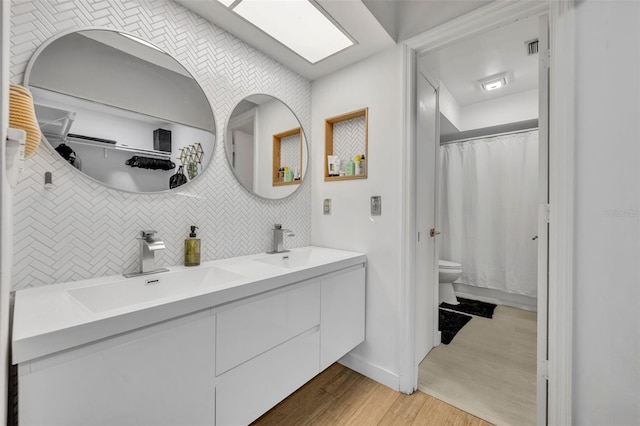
[192, 249]
[363, 165]
[349, 169]
[358, 170]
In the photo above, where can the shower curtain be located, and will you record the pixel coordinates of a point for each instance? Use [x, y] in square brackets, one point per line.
[488, 210]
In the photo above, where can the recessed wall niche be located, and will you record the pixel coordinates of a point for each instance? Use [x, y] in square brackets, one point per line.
[346, 140]
[287, 157]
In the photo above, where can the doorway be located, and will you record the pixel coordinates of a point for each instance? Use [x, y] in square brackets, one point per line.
[478, 120]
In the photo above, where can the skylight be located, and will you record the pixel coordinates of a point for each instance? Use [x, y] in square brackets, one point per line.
[297, 24]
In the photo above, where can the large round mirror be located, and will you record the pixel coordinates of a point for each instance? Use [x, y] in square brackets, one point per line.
[266, 147]
[121, 111]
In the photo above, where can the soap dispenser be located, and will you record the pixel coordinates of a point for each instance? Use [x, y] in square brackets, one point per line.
[192, 249]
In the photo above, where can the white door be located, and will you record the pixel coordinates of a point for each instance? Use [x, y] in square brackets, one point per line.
[425, 248]
[543, 222]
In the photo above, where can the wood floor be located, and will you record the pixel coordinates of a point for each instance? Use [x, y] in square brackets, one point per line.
[340, 396]
[489, 369]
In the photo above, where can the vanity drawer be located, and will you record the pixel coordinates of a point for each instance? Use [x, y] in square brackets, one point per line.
[248, 330]
[250, 390]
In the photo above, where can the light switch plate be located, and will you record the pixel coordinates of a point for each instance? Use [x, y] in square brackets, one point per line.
[326, 209]
[376, 205]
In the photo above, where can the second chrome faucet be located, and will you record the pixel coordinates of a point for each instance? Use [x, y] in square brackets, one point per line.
[148, 246]
[278, 239]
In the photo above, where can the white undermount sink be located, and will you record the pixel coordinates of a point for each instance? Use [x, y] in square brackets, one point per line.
[292, 259]
[147, 288]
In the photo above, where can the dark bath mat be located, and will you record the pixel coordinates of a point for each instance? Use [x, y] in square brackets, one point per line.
[449, 323]
[473, 307]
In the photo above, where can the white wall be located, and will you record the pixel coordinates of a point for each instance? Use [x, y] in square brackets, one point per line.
[126, 81]
[449, 106]
[606, 352]
[375, 83]
[504, 110]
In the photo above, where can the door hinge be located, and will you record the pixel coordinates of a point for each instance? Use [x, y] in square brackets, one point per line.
[545, 213]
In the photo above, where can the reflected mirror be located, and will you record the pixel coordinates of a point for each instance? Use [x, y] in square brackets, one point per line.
[121, 111]
[266, 147]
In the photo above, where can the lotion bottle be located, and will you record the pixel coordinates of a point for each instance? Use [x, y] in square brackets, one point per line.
[192, 249]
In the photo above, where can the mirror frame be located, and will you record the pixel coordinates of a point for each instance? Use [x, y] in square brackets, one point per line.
[50, 147]
[304, 144]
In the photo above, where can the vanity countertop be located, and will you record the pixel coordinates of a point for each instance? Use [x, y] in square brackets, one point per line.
[57, 317]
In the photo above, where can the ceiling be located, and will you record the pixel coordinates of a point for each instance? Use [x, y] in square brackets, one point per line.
[403, 19]
[374, 24]
[461, 65]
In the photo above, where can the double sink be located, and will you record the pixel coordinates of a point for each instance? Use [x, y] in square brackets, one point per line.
[168, 285]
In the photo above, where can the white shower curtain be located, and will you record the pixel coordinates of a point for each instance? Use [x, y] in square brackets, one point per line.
[488, 210]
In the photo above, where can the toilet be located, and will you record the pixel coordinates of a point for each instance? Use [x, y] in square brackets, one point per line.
[448, 272]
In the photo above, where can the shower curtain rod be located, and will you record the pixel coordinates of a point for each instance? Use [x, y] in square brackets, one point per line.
[514, 132]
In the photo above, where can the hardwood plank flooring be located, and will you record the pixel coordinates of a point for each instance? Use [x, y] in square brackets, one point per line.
[340, 396]
[489, 369]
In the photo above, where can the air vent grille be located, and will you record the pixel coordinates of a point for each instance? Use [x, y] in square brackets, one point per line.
[532, 47]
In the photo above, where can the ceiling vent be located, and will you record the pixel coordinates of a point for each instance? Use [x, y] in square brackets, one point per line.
[532, 47]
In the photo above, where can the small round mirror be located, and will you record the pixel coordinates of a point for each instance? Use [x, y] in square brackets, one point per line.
[121, 111]
[266, 147]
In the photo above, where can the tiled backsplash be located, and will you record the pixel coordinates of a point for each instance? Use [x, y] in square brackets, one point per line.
[80, 229]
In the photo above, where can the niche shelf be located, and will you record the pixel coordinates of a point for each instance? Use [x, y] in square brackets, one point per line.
[346, 135]
[282, 154]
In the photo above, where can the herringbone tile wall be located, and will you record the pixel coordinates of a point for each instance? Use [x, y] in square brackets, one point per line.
[348, 139]
[81, 229]
[290, 151]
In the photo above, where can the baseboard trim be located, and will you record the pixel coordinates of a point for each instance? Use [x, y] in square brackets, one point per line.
[374, 372]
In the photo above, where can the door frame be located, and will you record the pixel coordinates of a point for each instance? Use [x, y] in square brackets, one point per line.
[561, 184]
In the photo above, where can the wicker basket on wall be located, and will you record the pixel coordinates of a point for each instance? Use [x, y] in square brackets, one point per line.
[22, 115]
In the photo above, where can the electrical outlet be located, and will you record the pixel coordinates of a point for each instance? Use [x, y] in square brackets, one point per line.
[376, 205]
[327, 206]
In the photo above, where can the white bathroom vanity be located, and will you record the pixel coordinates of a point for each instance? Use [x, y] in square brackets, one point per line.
[218, 344]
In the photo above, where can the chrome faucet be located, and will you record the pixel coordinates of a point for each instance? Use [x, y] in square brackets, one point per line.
[278, 238]
[148, 247]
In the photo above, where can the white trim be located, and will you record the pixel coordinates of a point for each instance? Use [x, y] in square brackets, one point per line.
[493, 15]
[408, 368]
[561, 199]
[379, 374]
[561, 168]
[6, 211]
[542, 375]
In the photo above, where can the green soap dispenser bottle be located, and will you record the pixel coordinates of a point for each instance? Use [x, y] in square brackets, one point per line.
[192, 249]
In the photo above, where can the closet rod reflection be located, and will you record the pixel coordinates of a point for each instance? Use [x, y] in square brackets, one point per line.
[514, 132]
